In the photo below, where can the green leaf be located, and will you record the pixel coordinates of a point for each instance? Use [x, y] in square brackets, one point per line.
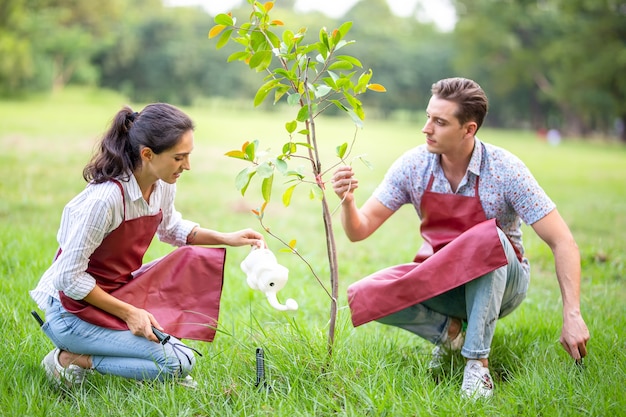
[345, 28]
[365, 162]
[265, 89]
[274, 40]
[352, 101]
[238, 56]
[339, 104]
[293, 99]
[324, 39]
[290, 75]
[349, 59]
[288, 38]
[364, 79]
[330, 82]
[223, 19]
[265, 170]
[356, 119]
[291, 126]
[306, 145]
[250, 150]
[260, 60]
[340, 65]
[242, 180]
[223, 40]
[257, 41]
[360, 112]
[289, 148]
[266, 188]
[316, 193]
[341, 150]
[322, 90]
[281, 90]
[287, 195]
[303, 114]
[281, 166]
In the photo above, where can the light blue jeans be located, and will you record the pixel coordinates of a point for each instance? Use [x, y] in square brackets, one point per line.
[480, 302]
[117, 352]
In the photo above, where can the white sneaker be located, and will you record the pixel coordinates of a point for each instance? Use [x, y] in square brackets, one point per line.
[187, 382]
[477, 382]
[72, 375]
[440, 351]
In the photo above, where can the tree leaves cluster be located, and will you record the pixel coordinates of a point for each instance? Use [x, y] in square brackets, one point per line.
[311, 76]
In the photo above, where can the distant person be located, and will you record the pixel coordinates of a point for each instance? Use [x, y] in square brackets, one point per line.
[100, 302]
[471, 198]
[553, 137]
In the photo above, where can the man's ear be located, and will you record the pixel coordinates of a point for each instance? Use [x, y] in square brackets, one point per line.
[471, 128]
[146, 153]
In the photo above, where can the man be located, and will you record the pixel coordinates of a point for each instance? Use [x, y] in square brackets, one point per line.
[471, 198]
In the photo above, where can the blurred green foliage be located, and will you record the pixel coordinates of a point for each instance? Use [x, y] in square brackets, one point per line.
[544, 64]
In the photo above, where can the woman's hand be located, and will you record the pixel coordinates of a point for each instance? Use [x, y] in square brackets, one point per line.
[244, 237]
[140, 323]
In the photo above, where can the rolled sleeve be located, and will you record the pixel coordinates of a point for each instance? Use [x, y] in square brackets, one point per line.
[173, 229]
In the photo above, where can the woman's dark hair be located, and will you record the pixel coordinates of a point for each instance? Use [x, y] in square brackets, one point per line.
[159, 127]
[467, 94]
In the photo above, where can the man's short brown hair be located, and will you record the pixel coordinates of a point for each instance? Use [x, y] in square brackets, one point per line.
[467, 94]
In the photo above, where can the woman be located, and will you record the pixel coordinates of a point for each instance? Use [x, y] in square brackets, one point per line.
[102, 305]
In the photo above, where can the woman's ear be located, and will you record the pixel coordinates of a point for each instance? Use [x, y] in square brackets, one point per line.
[146, 153]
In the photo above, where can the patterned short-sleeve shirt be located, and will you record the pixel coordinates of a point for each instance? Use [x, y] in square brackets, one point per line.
[507, 189]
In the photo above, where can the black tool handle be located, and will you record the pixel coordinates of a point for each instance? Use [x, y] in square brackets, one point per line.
[260, 367]
[163, 337]
[36, 316]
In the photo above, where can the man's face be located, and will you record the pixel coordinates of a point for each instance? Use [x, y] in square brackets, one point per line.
[444, 133]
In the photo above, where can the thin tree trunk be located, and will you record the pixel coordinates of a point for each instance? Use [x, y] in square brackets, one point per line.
[334, 272]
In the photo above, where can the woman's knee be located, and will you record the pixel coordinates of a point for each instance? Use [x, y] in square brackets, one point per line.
[178, 361]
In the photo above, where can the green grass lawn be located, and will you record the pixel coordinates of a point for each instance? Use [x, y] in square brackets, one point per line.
[375, 370]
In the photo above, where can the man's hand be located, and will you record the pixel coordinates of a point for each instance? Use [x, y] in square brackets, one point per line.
[344, 183]
[574, 336]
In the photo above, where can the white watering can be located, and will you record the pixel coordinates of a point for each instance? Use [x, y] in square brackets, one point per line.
[266, 275]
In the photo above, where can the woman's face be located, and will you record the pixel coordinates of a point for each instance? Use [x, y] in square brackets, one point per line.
[169, 164]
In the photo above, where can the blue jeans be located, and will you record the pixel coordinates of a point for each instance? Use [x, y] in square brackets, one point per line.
[480, 302]
[117, 352]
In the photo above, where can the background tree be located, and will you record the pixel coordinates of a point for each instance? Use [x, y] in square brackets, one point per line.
[548, 63]
[561, 65]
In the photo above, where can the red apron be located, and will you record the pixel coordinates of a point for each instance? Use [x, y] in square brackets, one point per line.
[460, 245]
[182, 290]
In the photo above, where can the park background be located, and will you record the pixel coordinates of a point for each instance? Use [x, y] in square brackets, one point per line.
[68, 66]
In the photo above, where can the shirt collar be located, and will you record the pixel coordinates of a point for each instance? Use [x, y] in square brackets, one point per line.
[477, 157]
[132, 188]
[475, 160]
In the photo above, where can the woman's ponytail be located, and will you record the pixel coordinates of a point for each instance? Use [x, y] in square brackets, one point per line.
[116, 156]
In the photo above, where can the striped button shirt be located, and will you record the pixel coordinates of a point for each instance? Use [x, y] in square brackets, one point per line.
[89, 217]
